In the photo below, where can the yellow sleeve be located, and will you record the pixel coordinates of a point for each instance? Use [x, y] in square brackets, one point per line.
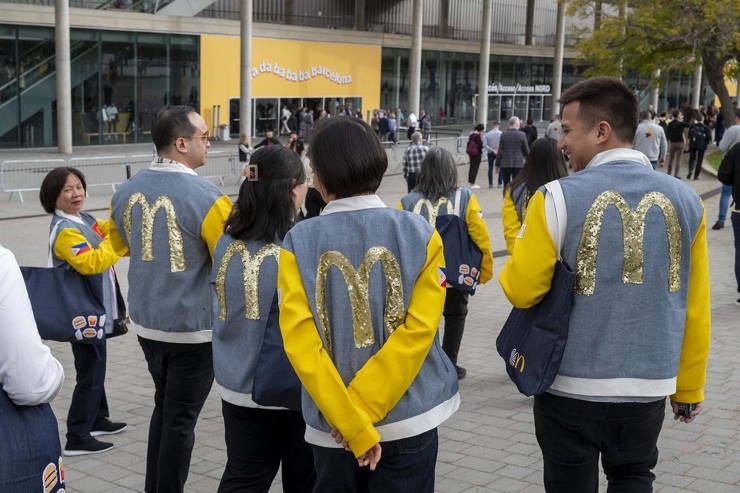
[510, 218]
[478, 232]
[93, 261]
[104, 227]
[527, 276]
[400, 206]
[213, 225]
[119, 246]
[388, 374]
[312, 363]
[692, 367]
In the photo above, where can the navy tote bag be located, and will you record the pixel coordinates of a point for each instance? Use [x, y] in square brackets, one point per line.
[532, 341]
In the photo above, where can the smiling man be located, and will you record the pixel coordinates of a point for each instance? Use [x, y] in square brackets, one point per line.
[640, 323]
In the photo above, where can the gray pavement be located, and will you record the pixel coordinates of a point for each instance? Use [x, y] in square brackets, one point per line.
[487, 446]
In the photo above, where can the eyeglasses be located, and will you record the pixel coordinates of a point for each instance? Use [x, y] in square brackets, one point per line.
[204, 138]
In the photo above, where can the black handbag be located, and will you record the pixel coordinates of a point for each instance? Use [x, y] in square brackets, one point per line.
[275, 381]
[67, 306]
[119, 325]
[532, 341]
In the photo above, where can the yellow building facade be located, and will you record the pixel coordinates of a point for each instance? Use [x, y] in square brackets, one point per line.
[286, 73]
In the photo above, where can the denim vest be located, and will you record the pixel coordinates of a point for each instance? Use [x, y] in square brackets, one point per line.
[416, 202]
[245, 281]
[628, 236]
[159, 216]
[403, 239]
[94, 239]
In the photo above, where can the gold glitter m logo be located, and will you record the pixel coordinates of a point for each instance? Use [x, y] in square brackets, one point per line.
[250, 270]
[433, 210]
[357, 287]
[177, 251]
[633, 229]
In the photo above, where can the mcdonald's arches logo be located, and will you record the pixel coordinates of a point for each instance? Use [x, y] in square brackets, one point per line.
[177, 251]
[433, 209]
[516, 360]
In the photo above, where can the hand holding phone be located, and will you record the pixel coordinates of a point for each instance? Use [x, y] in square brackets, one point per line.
[685, 412]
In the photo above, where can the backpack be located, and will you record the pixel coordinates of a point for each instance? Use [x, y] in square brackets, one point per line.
[472, 148]
[697, 137]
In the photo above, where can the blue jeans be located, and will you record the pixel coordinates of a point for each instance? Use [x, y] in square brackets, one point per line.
[735, 216]
[724, 202]
[654, 164]
[491, 162]
[405, 466]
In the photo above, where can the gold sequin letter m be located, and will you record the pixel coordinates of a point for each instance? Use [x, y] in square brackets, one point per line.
[633, 229]
[177, 251]
[357, 286]
[251, 272]
[433, 210]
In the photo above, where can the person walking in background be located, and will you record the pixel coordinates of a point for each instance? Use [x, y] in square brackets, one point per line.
[412, 158]
[295, 144]
[727, 142]
[384, 399]
[719, 128]
[490, 144]
[426, 126]
[412, 122]
[650, 140]
[699, 137]
[474, 150]
[307, 126]
[437, 186]
[392, 128]
[30, 378]
[79, 241]
[530, 131]
[245, 151]
[383, 127]
[258, 439]
[635, 335]
[169, 275]
[674, 134]
[512, 150]
[544, 164]
[269, 140]
[729, 175]
[285, 115]
[554, 129]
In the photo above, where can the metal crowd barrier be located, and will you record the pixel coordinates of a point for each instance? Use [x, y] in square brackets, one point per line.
[403, 144]
[18, 176]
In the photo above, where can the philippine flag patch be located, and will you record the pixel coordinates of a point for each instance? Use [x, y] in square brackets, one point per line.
[442, 276]
[480, 214]
[81, 248]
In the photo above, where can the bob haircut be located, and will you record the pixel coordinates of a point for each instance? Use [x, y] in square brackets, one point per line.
[264, 209]
[347, 157]
[53, 185]
[438, 176]
[544, 164]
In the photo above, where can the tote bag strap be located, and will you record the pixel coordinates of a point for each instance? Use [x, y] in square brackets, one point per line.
[457, 203]
[52, 237]
[557, 219]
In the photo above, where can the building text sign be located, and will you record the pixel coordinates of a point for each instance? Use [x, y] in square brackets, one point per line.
[498, 88]
[300, 75]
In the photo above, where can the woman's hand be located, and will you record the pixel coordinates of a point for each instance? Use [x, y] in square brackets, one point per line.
[369, 458]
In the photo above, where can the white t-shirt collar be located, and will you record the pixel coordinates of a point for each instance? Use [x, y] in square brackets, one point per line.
[63, 214]
[619, 154]
[353, 204]
[170, 166]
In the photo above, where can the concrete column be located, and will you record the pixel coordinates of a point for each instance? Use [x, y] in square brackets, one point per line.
[655, 96]
[245, 94]
[415, 65]
[289, 7]
[444, 18]
[397, 85]
[360, 24]
[529, 27]
[485, 62]
[696, 94]
[557, 66]
[64, 79]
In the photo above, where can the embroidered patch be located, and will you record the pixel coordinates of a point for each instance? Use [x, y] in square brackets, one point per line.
[81, 248]
[442, 276]
[49, 477]
[521, 231]
[464, 269]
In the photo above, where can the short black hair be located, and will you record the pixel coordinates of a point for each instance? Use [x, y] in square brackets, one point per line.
[170, 123]
[347, 157]
[53, 185]
[529, 121]
[264, 209]
[605, 99]
[480, 127]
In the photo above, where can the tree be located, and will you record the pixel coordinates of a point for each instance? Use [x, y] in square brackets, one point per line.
[666, 35]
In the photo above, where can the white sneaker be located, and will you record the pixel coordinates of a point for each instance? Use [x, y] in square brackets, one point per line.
[474, 186]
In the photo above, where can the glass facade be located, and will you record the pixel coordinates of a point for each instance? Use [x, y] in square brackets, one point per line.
[119, 82]
[449, 85]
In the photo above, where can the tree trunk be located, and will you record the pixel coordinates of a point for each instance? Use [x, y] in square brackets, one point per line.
[716, 79]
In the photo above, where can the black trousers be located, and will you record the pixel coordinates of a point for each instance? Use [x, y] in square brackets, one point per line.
[183, 376]
[509, 174]
[455, 311]
[473, 171]
[88, 399]
[572, 433]
[411, 181]
[257, 441]
[698, 156]
[410, 132]
[735, 219]
[314, 203]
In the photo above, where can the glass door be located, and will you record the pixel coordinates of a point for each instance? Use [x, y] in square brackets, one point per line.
[507, 108]
[266, 111]
[535, 108]
[494, 108]
[288, 108]
[520, 106]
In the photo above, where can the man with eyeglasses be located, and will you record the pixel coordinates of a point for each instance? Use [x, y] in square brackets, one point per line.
[168, 219]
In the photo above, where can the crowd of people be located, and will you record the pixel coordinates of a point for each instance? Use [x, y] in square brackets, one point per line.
[320, 326]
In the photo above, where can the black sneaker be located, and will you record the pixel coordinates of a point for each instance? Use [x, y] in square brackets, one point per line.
[86, 447]
[737, 302]
[461, 372]
[107, 427]
[719, 225]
